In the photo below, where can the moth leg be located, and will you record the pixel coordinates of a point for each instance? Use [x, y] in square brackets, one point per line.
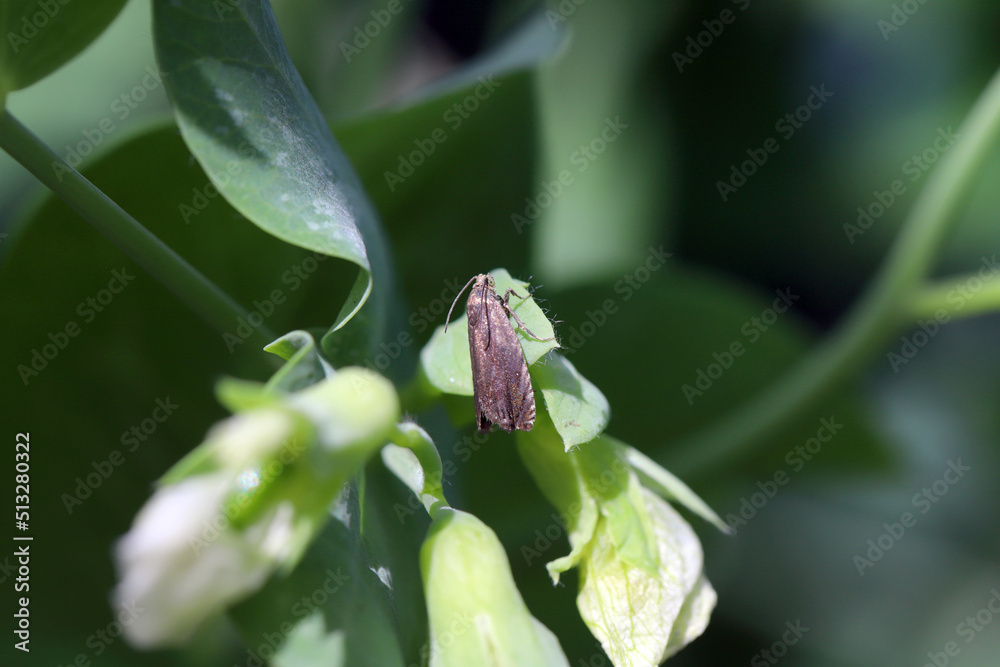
[510, 311]
[506, 295]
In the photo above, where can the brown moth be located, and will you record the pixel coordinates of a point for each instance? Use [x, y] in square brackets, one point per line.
[500, 381]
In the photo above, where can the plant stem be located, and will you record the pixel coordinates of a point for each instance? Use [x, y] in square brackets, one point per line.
[205, 298]
[879, 314]
[961, 296]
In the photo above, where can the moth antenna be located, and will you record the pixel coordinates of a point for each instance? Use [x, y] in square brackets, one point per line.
[448, 319]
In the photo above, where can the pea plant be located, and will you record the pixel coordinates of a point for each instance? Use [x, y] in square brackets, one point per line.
[274, 501]
[320, 515]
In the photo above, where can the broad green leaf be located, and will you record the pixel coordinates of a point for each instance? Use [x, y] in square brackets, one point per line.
[40, 35]
[445, 358]
[392, 528]
[414, 160]
[247, 117]
[578, 409]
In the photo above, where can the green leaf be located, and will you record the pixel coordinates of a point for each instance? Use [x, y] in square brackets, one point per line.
[416, 462]
[578, 409]
[642, 591]
[247, 117]
[556, 474]
[661, 480]
[305, 367]
[391, 534]
[633, 611]
[445, 359]
[616, 489]
[310, 645]
[534, 42]
[41, 35]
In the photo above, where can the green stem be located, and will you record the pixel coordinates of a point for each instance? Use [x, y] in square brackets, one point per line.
[879, 314]
[200, 294]
[961, 296]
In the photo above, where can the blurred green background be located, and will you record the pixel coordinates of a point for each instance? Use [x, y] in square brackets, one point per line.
[527, 181]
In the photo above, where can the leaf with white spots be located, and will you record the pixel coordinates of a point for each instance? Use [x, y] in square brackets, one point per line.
[250, 122]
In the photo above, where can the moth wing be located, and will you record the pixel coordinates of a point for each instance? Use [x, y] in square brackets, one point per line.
[501, 384]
